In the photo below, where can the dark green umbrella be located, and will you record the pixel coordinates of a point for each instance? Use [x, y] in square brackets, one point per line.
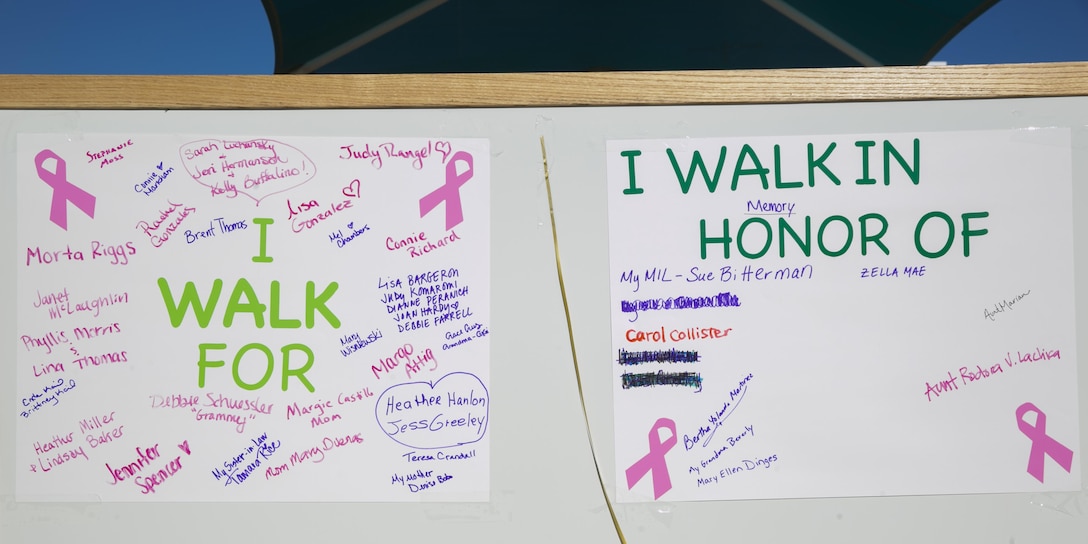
[408, 36]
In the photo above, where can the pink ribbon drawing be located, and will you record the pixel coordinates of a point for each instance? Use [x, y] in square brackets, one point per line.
[654, 461]
[1042, 445]
[449, 192]
[63, 190]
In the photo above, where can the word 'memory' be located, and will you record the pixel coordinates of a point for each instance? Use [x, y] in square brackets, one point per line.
[770, 208]
[244, 300]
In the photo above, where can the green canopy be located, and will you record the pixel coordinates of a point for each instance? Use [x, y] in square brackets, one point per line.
[409, 36]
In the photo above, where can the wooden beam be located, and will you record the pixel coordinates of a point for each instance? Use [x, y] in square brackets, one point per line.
[544, 89]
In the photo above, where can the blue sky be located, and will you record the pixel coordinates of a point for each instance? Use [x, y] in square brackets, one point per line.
[1014, 31]
[135, 37]
[233, 36]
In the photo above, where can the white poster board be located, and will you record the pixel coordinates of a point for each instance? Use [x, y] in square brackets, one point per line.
[224, 318]
[843, 315]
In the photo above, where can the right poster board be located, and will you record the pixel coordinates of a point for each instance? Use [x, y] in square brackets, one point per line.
[843, 315]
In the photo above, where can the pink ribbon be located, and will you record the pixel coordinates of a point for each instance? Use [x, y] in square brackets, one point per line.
[1042, 445]
[655, 460]
[449, 192]
[63, 190]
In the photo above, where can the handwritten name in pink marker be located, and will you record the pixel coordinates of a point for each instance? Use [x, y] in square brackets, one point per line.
[159, 230]
[978, 372]
[109, 155]
[257, 168]
[396, 150]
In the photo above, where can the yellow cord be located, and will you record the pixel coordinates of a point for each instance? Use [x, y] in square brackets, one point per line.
[573, 352]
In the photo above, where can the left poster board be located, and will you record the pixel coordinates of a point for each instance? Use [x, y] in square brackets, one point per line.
[233, 317]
